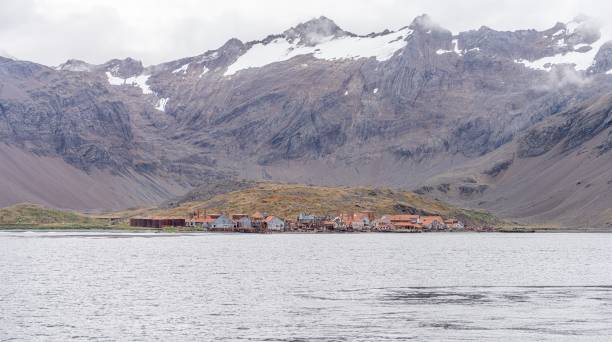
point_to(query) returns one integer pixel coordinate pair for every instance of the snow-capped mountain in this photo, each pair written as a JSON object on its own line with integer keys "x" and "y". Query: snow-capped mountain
{"x": 481, "y": 118}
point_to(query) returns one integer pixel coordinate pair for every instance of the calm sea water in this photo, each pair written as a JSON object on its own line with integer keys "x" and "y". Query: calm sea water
{"x": 353, "y": 287}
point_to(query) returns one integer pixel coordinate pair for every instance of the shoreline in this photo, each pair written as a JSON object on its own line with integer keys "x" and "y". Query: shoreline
{"x": 111, "y": 229}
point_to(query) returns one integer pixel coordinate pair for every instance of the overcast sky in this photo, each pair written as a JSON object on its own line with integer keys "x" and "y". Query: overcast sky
{"x": 51, "y": 31}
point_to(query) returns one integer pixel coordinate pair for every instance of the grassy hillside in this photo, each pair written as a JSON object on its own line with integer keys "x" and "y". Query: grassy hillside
{"x": 285, "y": 200}
{"x": 35, "y": 215}
{"x": 288, "y": 200}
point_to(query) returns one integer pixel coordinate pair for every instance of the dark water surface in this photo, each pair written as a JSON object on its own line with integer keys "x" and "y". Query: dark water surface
{"x": 353, "y": 287}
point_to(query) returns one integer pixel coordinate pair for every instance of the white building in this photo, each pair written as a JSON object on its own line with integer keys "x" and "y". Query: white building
{"x": 244, "y": 222}
{"x": 273, "y": 223}
{"x": 222, "y": 222}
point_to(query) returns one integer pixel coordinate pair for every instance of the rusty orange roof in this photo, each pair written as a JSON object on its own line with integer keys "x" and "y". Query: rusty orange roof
{"x": 431, "y": 219}
{"x": 407, "y": 224}
{"x": 270, "y": 218}
{"x": 403, "y": 217}
{"x": 257, "y": 215}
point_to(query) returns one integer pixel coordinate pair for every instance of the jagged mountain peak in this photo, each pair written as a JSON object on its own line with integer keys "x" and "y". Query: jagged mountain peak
{"x": 232, "y": 43}
{"x": 75, "y": 65}
{"x": 314, "y": 31}
{"x": 318, "y": 23}
{"x": 123, "y": 68}
{"x": 603, "y": 59}
{"x": 425, "y": 23}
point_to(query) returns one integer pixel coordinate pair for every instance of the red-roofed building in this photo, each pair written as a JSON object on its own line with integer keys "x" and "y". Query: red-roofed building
{"x": 360, "y": 221}
{"x": 392, "y": 222}
{"x": 258, "y": 216}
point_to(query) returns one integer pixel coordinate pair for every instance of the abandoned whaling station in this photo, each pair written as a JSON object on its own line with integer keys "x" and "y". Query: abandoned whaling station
{"x": 259, "y": 222}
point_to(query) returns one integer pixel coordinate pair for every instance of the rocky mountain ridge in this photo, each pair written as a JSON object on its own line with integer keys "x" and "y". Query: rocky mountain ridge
{"x": 420, "y": 108}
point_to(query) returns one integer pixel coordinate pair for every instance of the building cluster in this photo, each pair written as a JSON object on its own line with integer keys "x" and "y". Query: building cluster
{"x": 259, "y": 222}
{"x": 367, "y": 221}
{"x": 253, "y": 223}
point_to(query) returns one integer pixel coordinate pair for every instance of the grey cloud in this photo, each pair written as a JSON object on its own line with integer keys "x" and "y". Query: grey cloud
{"x": 561, "y": 76}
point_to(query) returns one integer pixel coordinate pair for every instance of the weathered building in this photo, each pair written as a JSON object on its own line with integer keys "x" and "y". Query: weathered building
{"x": 399, "y": 222}
{"x": 244, "y": 222}
{"x": 454, "y": 224}
{"x": 273, "y": 223}
{"x": 433, "y": 222}
{"x": 307, "y": 219}
{"x": 204, "y": 223}
{"x": 222, "y": 223}
{"x": 258, "y": 216}
{"x": 157, "y": 222}
{"x": 360, "y": 221}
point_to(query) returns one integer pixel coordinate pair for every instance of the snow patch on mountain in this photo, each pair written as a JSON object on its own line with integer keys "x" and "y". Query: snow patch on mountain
{"x": 572, "y": 26}
{"x": 136, "y": 81}
{"x": 204, "y": 71}
{"x": 209, "y": 56}
{"x": 579, "y": 41}
{"x": 456, "y": 50}
{"x": 381, "y": 47}
{"x": 161, "y": 104}
{"x": 561, "y": 43}
{"x": 455, "y": 43}
{"x": 581, "y": 60}
{"x": 580, "y": 46}
{"x": 182, "y": 69}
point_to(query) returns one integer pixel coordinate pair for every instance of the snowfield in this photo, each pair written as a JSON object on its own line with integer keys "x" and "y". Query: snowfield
{"x": 136, "y": 81}
{"x": 382, "y": 48}
{"x": 581, "y": 60}
{"x": 182, "y": 69}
